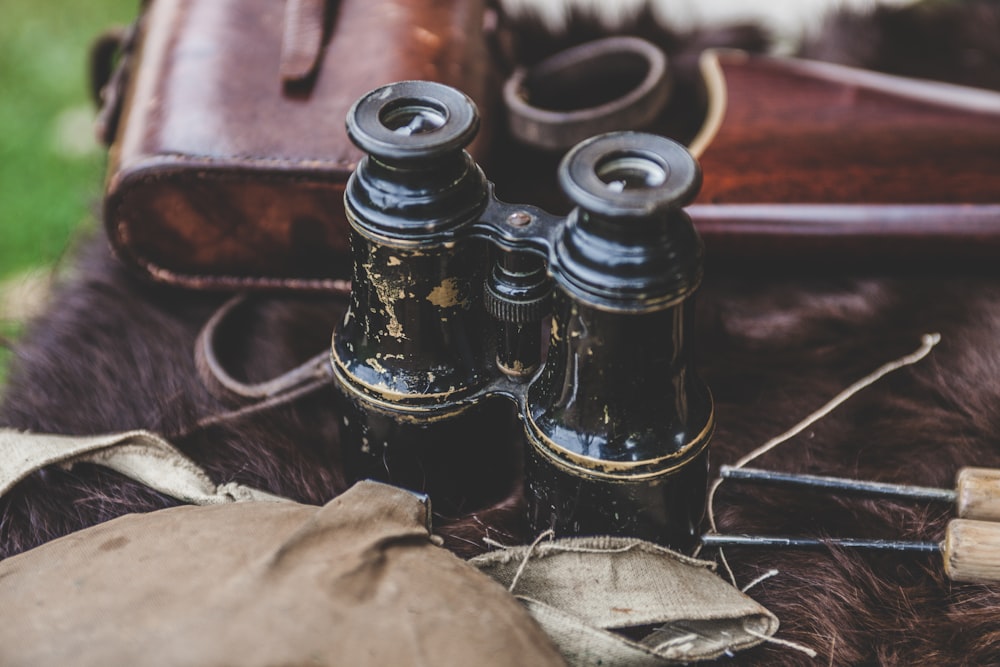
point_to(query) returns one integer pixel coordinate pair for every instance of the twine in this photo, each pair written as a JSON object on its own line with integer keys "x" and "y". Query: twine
{"x": 927, "y": 343}
{"x": 524, "y": 563}
{"x": 762, "y": 578}
{"x": 781, "y": 642}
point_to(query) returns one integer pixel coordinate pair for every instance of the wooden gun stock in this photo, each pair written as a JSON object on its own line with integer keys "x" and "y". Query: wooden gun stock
{"x": 821, "y": 163}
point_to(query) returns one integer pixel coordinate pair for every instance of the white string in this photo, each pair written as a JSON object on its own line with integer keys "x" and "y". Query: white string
{"x": 566, "y": 548}
{"x": 520, "y": 570}
{"x": 490, "y": 542}
{"x": 781, "y": 642}
{"x": 725, "y": 564}
{"x": 928, "y": 341}
{"x": 597, "y": 550}
{"x": 764, "y": 577}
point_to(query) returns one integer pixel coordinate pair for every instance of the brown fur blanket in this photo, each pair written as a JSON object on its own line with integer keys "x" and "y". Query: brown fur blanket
{"x": 114, "y": 353}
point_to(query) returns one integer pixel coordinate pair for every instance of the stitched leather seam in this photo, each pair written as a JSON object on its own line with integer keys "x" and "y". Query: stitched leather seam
{"x": 201, "y": 281}
{"x": 241, "y": 160}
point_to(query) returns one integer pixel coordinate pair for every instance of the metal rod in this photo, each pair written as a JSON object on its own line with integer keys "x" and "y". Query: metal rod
{"x": 718, "y": 540}
{"x": 840, "y": 484}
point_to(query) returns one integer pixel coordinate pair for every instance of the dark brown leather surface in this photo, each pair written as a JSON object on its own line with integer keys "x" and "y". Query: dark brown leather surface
{"x": 222, "y": 176}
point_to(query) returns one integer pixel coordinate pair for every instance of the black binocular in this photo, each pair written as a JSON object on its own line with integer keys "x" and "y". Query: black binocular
{"x": 440, "y": 362}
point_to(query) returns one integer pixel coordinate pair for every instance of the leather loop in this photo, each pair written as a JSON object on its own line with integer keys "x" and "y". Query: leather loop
{"x": 559, "y": 102}
{"x": 103, "y": 51}
{"x": 303, "y": 39}
{"x": 110, "y": 56}
{"x": 314, "y": 373}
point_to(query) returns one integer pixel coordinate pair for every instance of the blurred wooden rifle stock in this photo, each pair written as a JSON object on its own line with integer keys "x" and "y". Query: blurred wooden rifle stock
{"x": 820, "y": 164}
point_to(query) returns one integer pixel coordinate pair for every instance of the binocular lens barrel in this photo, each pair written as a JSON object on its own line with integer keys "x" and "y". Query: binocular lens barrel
{"x": 618, "y": 419}
{"x": 440, "y": 352}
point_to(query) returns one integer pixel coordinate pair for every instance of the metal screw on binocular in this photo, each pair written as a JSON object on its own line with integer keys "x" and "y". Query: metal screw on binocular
{"x": 438, "y": 359}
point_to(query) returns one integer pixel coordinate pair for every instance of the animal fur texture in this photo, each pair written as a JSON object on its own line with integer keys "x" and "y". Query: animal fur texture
{"x": 113, "y": 352}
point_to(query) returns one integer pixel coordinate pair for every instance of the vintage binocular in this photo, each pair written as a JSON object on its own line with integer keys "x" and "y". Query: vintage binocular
{"x": 439, "y": 361}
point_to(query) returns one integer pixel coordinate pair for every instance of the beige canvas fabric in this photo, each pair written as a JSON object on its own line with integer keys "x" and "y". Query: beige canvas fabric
{"x": 356, "y": 582}
{"x": 140, "y": 455}
{"x": 580, "y": 589}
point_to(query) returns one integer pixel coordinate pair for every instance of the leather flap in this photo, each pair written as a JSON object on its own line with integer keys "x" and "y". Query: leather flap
{"x": 223, "y": 174}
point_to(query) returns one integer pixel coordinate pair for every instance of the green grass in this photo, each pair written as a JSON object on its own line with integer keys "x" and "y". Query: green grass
{"x": 8, "y": 332}
{"x": 49, "y": 180}
{"x": 51, "y": 170}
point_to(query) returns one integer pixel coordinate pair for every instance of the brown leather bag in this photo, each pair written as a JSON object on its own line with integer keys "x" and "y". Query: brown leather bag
{"x": 229, "y": 155}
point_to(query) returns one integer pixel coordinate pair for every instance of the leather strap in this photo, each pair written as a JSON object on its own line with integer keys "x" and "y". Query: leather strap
{"x": 110, "y": 67}
{"x": 551, "y": 106}
{"x": 110, "y": 64}
{"x": 227, "y": 388}
{"x": 303, "y": 380}
{"x": 303, "y": 39}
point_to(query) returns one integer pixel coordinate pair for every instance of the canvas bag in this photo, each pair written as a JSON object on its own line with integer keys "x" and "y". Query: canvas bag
{"x": 356, "y": 582}
{"x": 253, "y": 579}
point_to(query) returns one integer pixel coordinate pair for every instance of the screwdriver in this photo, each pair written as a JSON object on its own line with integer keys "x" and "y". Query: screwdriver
{"x": 971, "y": 549}
{"x": 976, "y": 494}
{"x": 971, "y": 545}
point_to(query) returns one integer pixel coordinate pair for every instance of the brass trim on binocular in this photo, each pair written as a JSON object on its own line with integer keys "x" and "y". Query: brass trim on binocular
{"x": 451, "y": 287}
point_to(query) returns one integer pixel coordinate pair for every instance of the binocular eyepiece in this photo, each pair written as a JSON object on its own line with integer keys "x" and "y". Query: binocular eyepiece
{"x": 439, "y": 358}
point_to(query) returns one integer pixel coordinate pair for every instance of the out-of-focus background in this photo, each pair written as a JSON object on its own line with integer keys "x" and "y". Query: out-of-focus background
{"x": 52, "y": 170}
{"x": 51, "y": 167}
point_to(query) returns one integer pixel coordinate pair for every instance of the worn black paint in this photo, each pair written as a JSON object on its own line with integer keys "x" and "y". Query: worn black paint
{"x": 619, "y": 388}
{"x": 620, "y": 419}
{"x": 413, "y": 345}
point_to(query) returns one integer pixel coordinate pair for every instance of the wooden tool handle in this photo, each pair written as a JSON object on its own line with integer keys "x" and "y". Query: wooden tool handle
{"x": 971, "y": 551}
{"x": 978, "y": 494}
